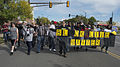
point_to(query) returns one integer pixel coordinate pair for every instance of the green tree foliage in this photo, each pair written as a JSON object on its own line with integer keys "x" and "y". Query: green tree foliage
{"x": 24, "y": 10}
{"x": 78, "y": 19}
{"x": 91, "y": 20}
{"x": 43, "y": 20}
{"x": 11, "y": 10}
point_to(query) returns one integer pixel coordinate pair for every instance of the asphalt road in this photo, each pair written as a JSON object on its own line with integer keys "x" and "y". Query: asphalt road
{"x": 81, "y": 58}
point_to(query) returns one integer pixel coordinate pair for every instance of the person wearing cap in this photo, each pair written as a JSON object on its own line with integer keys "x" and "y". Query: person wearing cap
{"x": 29, "y": 37}
{"x": 52, "y": 35}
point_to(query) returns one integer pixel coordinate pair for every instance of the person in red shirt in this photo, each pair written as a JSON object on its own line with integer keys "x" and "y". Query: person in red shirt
{"x": 5, "y": 31}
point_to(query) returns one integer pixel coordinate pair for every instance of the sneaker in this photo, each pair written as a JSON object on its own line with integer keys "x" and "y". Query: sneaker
{"x": 28, "y": 53}
{"x": 54, "y": 50}
{"x": 50, "y": 49}
{"x": 60, "y": 53}
{"x": 37, "y": 52}
{"x": 86, "y": 49}
{"x": 11, "y": 53}
{"x": 64, "y": 55}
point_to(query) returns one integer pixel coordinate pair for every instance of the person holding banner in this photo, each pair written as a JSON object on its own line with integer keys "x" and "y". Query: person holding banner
{"x": 107, "y": 40}
{"x": 78, "y": 27}
{"x": 14, "y": 37}
{"x": 63, "y": 41}
{"x": 69, "y": 26}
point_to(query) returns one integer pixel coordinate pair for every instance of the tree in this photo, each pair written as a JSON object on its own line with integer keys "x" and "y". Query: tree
{"x": 24, "y": 10}
{"x": 12, "y": 10}
{"x": 44, "y": 20}
{"x": 91, "y": 20}
{"x": 78, "y": 19}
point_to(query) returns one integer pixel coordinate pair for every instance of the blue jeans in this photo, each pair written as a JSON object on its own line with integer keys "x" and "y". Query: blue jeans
{"x": 5, "y": 35}
{"x": 40, "y": 42}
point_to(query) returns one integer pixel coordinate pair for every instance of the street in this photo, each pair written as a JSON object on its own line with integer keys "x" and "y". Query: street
{"x": 81, "y": 58}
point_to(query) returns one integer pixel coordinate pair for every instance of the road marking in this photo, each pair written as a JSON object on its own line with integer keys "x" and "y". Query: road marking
{"x": 110, "y": 53}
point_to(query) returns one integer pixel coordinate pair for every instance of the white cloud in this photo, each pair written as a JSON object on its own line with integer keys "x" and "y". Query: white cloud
{"x": 102, "y": 6}
{"x": 98, "y": 8}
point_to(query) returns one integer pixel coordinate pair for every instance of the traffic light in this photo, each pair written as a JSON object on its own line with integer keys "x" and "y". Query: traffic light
{"x": 50, "y": 4}
{"x": 69, "y": 15}
{"x": 68, "y": 3}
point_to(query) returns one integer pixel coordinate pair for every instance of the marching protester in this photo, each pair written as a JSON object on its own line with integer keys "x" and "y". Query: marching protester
{"x": 40, "y": 38}
{"x": 19, "y": 26}
{"x": 78, "y": 27}
{"x": 62, "y": 41}
{"x": 107, "y": 41}
{"x": 69, "y": 26}
{"x": 5, "y": 31}
{"x": 14, "y": 37}
{"x": 52, "y": 36}
{"x": 34, "y": 36}
{"x": 29, "y": 37}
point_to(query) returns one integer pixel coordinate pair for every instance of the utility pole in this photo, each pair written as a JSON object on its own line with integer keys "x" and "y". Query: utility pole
{"x": 111, "y": 19}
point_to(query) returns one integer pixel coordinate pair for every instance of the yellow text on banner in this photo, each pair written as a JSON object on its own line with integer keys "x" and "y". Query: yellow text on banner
{"x": 87, "y": 42}
{"x": 101, "y": 34}
{"x": 96, "y": 34}
{"x": 92, "y": 42}
{"x": 82, "y": 33}
{"x": 65, "y": 32}
{"x": 76, "y": 33}
{"x": 107, "y": 34}
{"x": 72, "y": 42}
{"x": 77, "y": 42}
{"x": 83, "y": 42}
{"x": 58, "y": 32}
{"x": 91, "y": 34}
{"x": 97, "y": 42}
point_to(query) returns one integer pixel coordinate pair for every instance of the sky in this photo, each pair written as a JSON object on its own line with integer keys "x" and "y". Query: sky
{"x": 100, "y": 9}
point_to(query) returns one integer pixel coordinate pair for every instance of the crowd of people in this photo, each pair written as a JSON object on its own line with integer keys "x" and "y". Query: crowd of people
{"x": 39, "y": 35}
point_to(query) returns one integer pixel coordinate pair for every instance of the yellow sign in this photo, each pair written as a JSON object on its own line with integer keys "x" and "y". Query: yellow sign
{"x": 87, "y": 42}
{"x": 96, "y": 34}
{"x": 82, "y": 33}
{"x": 58, "y": 32}
{"x": 76, "y": 33}
{"x": 92, "y": 42}
{"x": 101, "y": 34}
{"x": 82, "y": 42}
{"x": 72, "y": 42}
{"x": 77, "y": 42}
{"x": 97, "y": 42}
{"x": 65, "y": 32}
{"x": 91, "y": 34}
{"x": 107, "y": 34}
